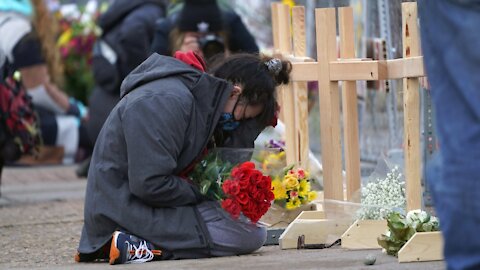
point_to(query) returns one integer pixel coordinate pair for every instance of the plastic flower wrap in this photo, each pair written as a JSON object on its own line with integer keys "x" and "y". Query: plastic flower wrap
{"x": 401, "y": 228}
{"x": 379, "y": 198}
{"x": 293, "y": 189}
{"x": 241, "y": 188}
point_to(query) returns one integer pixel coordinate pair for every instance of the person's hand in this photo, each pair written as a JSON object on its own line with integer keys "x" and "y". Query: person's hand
{"x": 190, "y": 43}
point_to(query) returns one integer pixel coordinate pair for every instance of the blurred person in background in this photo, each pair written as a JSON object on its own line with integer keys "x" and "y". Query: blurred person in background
{"x": 28, "y": 39}
{"x": 202, "y": 26}
{"x": 127, "y": 33}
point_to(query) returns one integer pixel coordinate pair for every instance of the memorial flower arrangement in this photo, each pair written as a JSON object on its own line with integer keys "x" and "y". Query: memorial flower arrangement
{"x": 241, "y": 188}
{"x": 379, "y": 198}
{"x": 78, "y": 34}
{"x": 293, "y": 189}
{"x": 401, "y": 228}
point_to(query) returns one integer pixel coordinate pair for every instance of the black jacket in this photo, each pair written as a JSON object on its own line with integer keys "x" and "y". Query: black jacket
{"x": 129, "y": 25}
{"x": 132, "y": 24}
{"x": 239, "y": 38}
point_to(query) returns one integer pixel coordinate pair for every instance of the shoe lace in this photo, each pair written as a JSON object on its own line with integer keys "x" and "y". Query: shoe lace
{"x": 139, "y": 254}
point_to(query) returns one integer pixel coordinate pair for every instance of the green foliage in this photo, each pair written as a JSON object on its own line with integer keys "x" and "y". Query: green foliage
{"x": 401, "y": 229}
{"x": 209, "y": 174}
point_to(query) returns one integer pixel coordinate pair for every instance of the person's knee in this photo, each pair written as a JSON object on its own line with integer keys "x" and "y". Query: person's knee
{"x": 257, "y": 240}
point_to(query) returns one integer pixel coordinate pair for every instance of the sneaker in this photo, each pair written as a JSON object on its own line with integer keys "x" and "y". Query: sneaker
{"x": 127, "y": 248}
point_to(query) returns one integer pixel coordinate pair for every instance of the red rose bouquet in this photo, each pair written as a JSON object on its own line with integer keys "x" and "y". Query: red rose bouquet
{"x": 242, "y": 189}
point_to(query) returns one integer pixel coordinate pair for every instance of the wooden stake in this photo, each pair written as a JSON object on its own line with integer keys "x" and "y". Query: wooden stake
{"x": 411, "y": 104}
{"x": 276, "y": 16}
{"x": 275, "y": 27}
{"x": 288, "y": 100}
{"x": 329, "y": 104}
{"x": 300, "y": 90}
{"x": 349, "y": 105}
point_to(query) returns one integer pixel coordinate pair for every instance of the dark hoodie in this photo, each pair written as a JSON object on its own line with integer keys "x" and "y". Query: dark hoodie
{"x": 166, "y": 115}
{"x": 128, "y": 27}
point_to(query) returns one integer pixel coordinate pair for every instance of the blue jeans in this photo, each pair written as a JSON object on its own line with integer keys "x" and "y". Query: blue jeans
{"x": 450, "y": 32}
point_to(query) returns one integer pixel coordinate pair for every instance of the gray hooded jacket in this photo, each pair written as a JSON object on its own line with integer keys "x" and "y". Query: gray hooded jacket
{"x": 166, "y": 115}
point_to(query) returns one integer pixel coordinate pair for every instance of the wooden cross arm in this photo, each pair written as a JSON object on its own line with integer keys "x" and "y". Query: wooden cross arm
{"x": 359, "y": 69}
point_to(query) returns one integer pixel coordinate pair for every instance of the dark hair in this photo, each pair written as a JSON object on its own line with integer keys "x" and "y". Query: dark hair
{"x": 256, "y": 78}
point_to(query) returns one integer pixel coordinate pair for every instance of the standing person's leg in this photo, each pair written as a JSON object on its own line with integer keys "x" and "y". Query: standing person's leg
{"x": 230, "y": 237}
{"x": 450, "y": 44}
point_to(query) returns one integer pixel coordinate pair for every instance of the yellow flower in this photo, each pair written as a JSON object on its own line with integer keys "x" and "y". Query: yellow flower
{"x": 312, "y": 195}
{"x": 64, "y": 38}
{"x": 304, "y": 187}
{"x": 292, "y": 204}
{"x": 290, "y": 3}
{"x": 278, "y": 190}
{"x": 274, "y": 161}
{"x": 290, "y": 181}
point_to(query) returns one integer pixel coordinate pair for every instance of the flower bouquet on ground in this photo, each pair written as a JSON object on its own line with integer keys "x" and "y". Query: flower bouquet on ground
{"x": 401, "y": 228}
{"x": 241, "y": 188}
{"x": 293, "y": 189}
{"x": 381, "y": 197}
{"x": 293, "y": 194}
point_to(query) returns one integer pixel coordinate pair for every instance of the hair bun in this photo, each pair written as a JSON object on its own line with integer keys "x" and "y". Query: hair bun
{"x": 274, "y": 66}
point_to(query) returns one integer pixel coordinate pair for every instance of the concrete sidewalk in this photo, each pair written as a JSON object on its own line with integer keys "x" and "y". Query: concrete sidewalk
{"x": 41, "y": 216}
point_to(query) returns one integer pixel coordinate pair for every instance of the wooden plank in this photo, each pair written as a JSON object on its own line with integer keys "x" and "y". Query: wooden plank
{"x": 316, "y": 231}
{"x": 276, "y": 49}
{"x": 329, "y": 104}
{"x": 303, "y": 72}
{"x": 275, "y": 28}
{"x": 300, "y": 90}
{"x": 363, "y": 234}
{"x": 405, "y": 67}
{"x": 288, "y": 100}
{"x": 354, "y": 70}
{"x": 360, "y": 69}
{"x": 411, "y": 105}
{"x": 349, "y": 105}
{"x": 311, "y": 215}
{"x": 284, "y": 31}
{"x": 425, "y": 246}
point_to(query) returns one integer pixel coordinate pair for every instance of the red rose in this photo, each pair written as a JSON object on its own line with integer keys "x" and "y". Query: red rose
{"x": 259, "y": 195}
{"x": 247, "y": 165}
{"x": 244, "y": 178}
{"x": 231, "y": 187}
{"x": 269, "y": 196}
{"x": 242, "y": 198}
{"x": 232, "y": 207}
{"x": 264, "y": 182}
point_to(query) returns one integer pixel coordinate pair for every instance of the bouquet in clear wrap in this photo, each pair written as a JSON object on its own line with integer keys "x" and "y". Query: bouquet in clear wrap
{"x": 292, "y": 189}
{"x": 383, "y": 194}
{"x": 228, "y": 175}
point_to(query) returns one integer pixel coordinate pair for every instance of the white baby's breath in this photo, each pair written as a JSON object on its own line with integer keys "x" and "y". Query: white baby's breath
{"x": 381, "y": 197}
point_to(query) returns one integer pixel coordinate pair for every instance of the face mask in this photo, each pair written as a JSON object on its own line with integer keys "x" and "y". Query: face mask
{"x": 228, "y": 122}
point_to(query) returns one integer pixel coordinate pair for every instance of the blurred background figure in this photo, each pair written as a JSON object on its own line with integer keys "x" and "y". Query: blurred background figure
{"x": 28, "y": 38}
{"x": 202, "y": 26}
{"x": 127, "y": 34}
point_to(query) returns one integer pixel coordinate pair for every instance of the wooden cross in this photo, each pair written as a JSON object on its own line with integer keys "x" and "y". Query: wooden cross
{"x": 328, "y": 70}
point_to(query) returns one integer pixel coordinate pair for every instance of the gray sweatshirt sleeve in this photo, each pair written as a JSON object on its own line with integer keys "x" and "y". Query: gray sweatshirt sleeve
{"x": 154, "y": 128}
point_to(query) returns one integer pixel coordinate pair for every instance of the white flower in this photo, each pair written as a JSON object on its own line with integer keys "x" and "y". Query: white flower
{"x": 380, "y": 197}
{"x": 417, "y": 216}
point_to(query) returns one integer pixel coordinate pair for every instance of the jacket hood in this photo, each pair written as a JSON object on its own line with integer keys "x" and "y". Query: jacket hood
{"x": 119, "y": 10}
{"x": 157, "y": 67}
